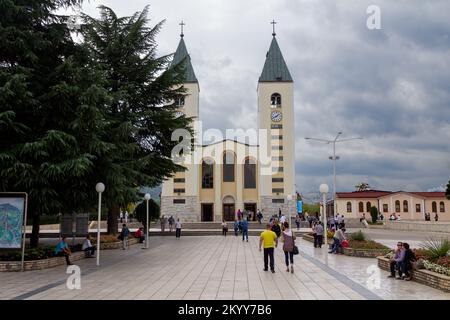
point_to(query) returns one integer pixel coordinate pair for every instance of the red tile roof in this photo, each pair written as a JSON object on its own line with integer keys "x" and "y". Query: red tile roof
{"x": 363, "y": 194}
{"x": 378, "y": 193}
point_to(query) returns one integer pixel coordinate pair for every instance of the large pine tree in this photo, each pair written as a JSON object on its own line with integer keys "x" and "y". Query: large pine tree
{"x": 49, "y": 101}
{"x": 141, "y": 115}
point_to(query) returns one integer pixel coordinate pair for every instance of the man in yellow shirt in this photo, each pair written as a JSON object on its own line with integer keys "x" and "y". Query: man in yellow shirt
{"x": 270, "y": 241}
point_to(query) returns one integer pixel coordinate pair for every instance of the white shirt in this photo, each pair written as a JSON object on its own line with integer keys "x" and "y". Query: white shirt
{"x": 86, "y": 244}
{"x": 282, "y": 219}
{"x": 178, "y": 225}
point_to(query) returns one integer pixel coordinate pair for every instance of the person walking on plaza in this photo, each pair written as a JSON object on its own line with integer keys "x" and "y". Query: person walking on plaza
{"x": 171, "y": 222}
{"x": 88, "y": 247}
{"x": 260, "y": 216}
{"x": 163, "y": 221}
{"x": 395, "y": 262}
{"x": 124, "y": 233}
{"x": 288, "y": 246}
{"x": 314, "y": 232}
{"x": 269, "y": 241}
{"x": 244, "y": 224}
{"x": 178, "y": 228}
{"x": 276, "y": 227}
{"x": 297, "y": 221}
{"x": 319, "y": 235}
{"x": 62, "y": 250}
{"x": 236, "y": 227}
{"x": 436, "y": 217}
{"x": 224, "y": 228}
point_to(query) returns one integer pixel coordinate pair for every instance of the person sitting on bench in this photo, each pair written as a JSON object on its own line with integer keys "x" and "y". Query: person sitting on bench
{"x": 88, "y": 247}
{"x": 62, "y": 250}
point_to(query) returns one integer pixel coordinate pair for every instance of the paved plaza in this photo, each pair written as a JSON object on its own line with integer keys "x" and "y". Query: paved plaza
{"x": 212, "y": 267}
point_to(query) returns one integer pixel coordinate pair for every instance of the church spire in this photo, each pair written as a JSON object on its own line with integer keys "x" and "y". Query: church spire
{"x": 182, "y": 56}
{"x": 275, "y": 68}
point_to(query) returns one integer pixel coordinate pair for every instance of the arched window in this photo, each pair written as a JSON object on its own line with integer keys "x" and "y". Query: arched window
{"x": 207, "y": 174}
{"x": 405, "y": 206}
{"x": 249, "y": 174}
{"x": 441, "y": 206}
{"x": 397, "y": 206}
{"x": 368, "y": 206}
{"x": 228, "y": 167}
{"x": 275, "y": 100}
{"x": 434, "y": 206}
{"x": 349, "y": 206}
{"x": 361, "y": 207}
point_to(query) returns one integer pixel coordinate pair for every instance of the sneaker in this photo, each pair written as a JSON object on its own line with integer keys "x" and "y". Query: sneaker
{"x": 391, "y": 276}
{"x": 292, "y": 269}
{"x": 265, "y": 269}
{"x": 287, "y": 269}
{"x": 273, "y": 271}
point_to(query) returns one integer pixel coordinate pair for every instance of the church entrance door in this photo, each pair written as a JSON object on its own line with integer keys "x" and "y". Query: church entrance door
{"x": 251, "y": 207}
{"x": 228, "y": 212}
{"x": 207, "y": 212}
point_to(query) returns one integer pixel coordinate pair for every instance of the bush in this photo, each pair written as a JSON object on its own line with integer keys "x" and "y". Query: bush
{"x": 365, "y": 244}
{"x": 358, "y": 236}
{"x": 30, "y": 254}
{"x": 374, "y": 214}
{"x": 107, "y": 238}
{"x": 423, "y": 254}
{"x": 444, "y": 261}
{"x": 436, "y": 248}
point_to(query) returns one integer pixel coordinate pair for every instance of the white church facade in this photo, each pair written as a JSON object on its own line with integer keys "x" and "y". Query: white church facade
{"x": 229, "y": 175}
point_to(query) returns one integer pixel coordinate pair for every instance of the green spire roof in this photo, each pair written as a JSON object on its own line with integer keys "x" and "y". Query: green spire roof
{"x": 180, "y": 54}
{"x": 275, "y": 69}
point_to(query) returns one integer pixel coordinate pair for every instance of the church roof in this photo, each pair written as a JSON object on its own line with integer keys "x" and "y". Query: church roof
{"x": 275, "y": 68}
{"x": 181, "y": 55}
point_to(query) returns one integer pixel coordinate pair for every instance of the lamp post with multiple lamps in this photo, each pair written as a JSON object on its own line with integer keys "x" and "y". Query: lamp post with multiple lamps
{"x": 147, "y": 197}
{"x": 324, "y": 190}
{"x": 99, "y": 187}
{"x": 334, "y": 158}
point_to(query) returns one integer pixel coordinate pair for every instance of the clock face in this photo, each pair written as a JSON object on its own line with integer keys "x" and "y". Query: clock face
{"x": 276, "y": 116}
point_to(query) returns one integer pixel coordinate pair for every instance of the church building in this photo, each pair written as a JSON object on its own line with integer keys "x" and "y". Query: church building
{"x": 230, "y": 175}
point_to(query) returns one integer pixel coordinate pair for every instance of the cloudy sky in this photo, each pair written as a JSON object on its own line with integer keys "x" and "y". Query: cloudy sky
{"x": 390, "y": 86}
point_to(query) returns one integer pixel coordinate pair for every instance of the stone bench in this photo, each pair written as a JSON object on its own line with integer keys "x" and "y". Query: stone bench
{"x": 423, "y": 276}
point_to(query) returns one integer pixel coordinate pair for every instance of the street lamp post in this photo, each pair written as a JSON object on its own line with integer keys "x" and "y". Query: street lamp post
{"x": 147, "y": 229}
{"x": 324, "y": 190}
{"x": 99, "y": 187}
{"x": 334, "y": 158}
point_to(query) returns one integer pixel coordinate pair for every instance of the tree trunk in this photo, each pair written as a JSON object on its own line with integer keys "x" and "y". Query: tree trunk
{"x": 113, "y": 216}
{"x": 34, "y": 239}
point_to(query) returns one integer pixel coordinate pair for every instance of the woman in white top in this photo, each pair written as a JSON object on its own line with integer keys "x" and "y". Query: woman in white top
{"x": 224, "y": 228}
{"x": 178, "y": 228}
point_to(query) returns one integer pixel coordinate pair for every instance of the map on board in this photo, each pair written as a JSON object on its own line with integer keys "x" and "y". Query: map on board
{"x": 11, "y": 217}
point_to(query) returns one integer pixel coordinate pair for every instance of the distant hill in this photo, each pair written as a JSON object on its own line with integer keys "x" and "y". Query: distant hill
{"x": 154, "y": 192}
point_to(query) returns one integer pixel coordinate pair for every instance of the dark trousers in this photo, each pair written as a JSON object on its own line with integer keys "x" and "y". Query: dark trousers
{"x": 91, "y": 250}
{"x": 141, "y": 239}
{"x": 63, "y": 254}
{"x": 244, "y": 234}
{"x": 224, "y": 231}
{"x": 268, "y": 253}
{"x": 288, "y": 256}
{"x": 315, "y": 240}
{"x": 405, "y": 267}
{"x": 178, "y": 233}
{"x": 336, "y": 246}
{"x": 395, "y": 265}
{"x": 318, "y": 241}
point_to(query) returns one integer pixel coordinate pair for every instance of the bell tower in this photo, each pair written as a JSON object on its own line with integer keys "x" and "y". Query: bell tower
{"x": 276, "y": 116}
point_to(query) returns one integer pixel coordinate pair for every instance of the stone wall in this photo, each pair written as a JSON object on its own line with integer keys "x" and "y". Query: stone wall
{"x": 268, "y": 208}
{"x": 365, "y": 253}
{"x": 426, "y": 277}
{"x": 421, "y": 226}
{"x": 187, "y": 212}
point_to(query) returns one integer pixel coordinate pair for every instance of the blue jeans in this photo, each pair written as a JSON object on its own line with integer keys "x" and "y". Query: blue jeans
{"x": 336, "y": 245}
{"x": 244, "y": 234}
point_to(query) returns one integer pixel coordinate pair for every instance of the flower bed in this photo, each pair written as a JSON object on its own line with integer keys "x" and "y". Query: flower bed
{"x": 423, "y": 276}
{"x": 365, "y": 249}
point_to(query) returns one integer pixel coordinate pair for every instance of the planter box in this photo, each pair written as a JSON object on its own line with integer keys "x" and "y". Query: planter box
{"x": 309, "y": 238}
{"x": 423, "y": 276}
{"x": 57, "y": 261}
{"x": 365, "y": 253}
{"x": 40, "y": 264}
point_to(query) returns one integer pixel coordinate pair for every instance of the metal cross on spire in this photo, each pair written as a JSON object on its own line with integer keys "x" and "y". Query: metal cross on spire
{"x": 273, "y": 23}
{"x": 182, "y": 24}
